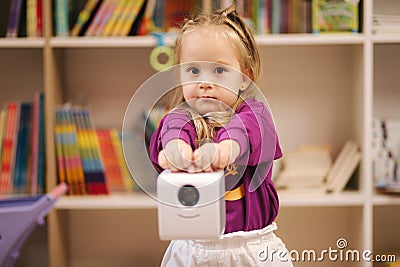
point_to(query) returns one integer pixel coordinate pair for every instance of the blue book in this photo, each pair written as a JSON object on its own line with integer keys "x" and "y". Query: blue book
{"x": 42, "y": 148}
{"x": 62, "y": 19}
{"x": 22, "y": 155}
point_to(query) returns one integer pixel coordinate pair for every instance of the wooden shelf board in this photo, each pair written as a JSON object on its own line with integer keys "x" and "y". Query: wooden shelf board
{"x": 385, "y": 200}
{"x": 150, "y": 41}
{"x": 114, "y": 201}
{"x": 293, "y": 199}
{"x": 143, "y": 201}
{"x": 309, "y": 39}
{"x": 103, "y": 42}
{"x": 21, "y": 42}
{"x": 386, "y": 38}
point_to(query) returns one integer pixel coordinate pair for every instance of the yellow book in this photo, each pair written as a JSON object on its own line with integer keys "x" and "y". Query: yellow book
{"x": 109, "y": 28}
{"x": 116, "y": 141}
{"x": 131, "y": 16}
{"x": 31, "y": 18}
{"x": 122, "y": 18}
{"x": 84, "y": 17}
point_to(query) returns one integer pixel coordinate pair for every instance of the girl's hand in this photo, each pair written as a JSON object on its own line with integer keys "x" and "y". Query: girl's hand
{"x": 211, "y": 156}
{"x": 177, "y": 155}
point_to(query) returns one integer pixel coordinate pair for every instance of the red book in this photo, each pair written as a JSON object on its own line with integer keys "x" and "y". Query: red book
{"x": 9, "y": 148}
{"x": 39, "y": 14}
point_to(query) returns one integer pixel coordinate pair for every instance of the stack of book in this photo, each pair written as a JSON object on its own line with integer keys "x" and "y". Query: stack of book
{"x": 90, "y": 160}
{"x": 24, "y": 18}
{"x": 22, "y": 147}
{"x": 120, "y": 17}
{"x": 312, "y": 171}
{"x": 304, "y": 170}
{"x": 386, "y": 24}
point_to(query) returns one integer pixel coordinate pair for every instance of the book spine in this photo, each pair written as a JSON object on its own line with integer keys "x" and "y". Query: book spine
{"x": 122, "y": 17}
{"x": 35, "y": 143}
{"x": 62, "y": 24}
{"x": 275, "y": 16}
{"x": 41, "y": 147}
{"x": 132, "y": 14}
{"x": 31, "y": 18}
{"x": 109, "y": 27}
{"x": 9, "y": 147}
{"x": 93, "y": 143}
{"x": 98, "y": 17}
{"x": 83, "y": 17}
{"x": 3, "y": 117}
{"x": 108, "y": 156}
{"x": 158, "y": 16}
{"x": 116, "y": 140}
{"x": 21, "y": 155}
{"x": 76, "y": 158}
{"x": 107, "y": 15}
{"x": 13, "y": 19}
{"x": 58, "y": 131}
{"x": 39, "y": 18}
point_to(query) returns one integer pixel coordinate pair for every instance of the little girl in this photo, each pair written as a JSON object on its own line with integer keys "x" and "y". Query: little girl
{"x": 211, "y": 127}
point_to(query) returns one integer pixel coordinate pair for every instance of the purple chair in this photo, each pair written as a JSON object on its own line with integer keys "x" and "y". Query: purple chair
{"x": 19, "y": 217}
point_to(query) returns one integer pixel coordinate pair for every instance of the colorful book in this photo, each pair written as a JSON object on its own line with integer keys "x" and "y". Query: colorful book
{"x": 9, "y": 147}
{"x": 127, "y": 7}
{"x": 3, "y": 114}
{"x": 147, "y": 24}
{"x": 89, "y": 146}
{"x": 335, "y": 16}
{"x": 85, "y": 17}
{"x": 98, "y": 17}
{"x": 117, "y": 144}
{"x": 117, "y": 12}
{"x": 107, "y": 15}
{"x": 61, "y": 168}
{"x": 112, "y": 170}
{"x": 134, "y": 25}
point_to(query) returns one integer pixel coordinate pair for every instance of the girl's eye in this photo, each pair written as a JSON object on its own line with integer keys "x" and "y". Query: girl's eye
{"x": 219, "y": 70}
{"x": 193, "y": 70}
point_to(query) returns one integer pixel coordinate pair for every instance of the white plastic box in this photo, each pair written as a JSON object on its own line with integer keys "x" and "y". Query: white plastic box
{"x": 191, "y": 205}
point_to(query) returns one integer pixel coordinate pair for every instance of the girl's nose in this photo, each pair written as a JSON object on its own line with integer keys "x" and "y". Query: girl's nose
{"x": 205, "y": 85}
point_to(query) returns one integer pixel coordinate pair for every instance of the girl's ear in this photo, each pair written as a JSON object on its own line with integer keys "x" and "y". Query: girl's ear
{"x": 247, "y": 79}
{"x": 244, "y": 85}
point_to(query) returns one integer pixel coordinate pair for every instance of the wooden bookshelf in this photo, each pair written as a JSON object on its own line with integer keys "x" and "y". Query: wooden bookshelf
{"x": 321, "y": 88}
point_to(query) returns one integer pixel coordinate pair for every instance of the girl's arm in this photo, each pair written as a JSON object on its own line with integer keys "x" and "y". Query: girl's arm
{"x": 253, "y": 129}
{"x": 175, "y": 125}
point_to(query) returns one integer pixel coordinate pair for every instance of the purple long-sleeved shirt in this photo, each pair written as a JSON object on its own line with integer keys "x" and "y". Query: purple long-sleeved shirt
{"x": 252, "y": 127}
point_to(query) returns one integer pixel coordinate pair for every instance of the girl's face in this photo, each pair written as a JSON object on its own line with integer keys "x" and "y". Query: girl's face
{"x": 208, "y": 61}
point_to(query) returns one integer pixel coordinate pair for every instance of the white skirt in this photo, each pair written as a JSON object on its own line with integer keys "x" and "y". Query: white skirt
{"x": 254, "y": 248}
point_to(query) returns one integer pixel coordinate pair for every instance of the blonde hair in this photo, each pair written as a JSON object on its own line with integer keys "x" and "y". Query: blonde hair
{"x": 234, "y": 28}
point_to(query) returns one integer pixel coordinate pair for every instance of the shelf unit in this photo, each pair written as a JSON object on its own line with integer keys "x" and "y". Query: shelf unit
{"x": 321, "y": 88}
